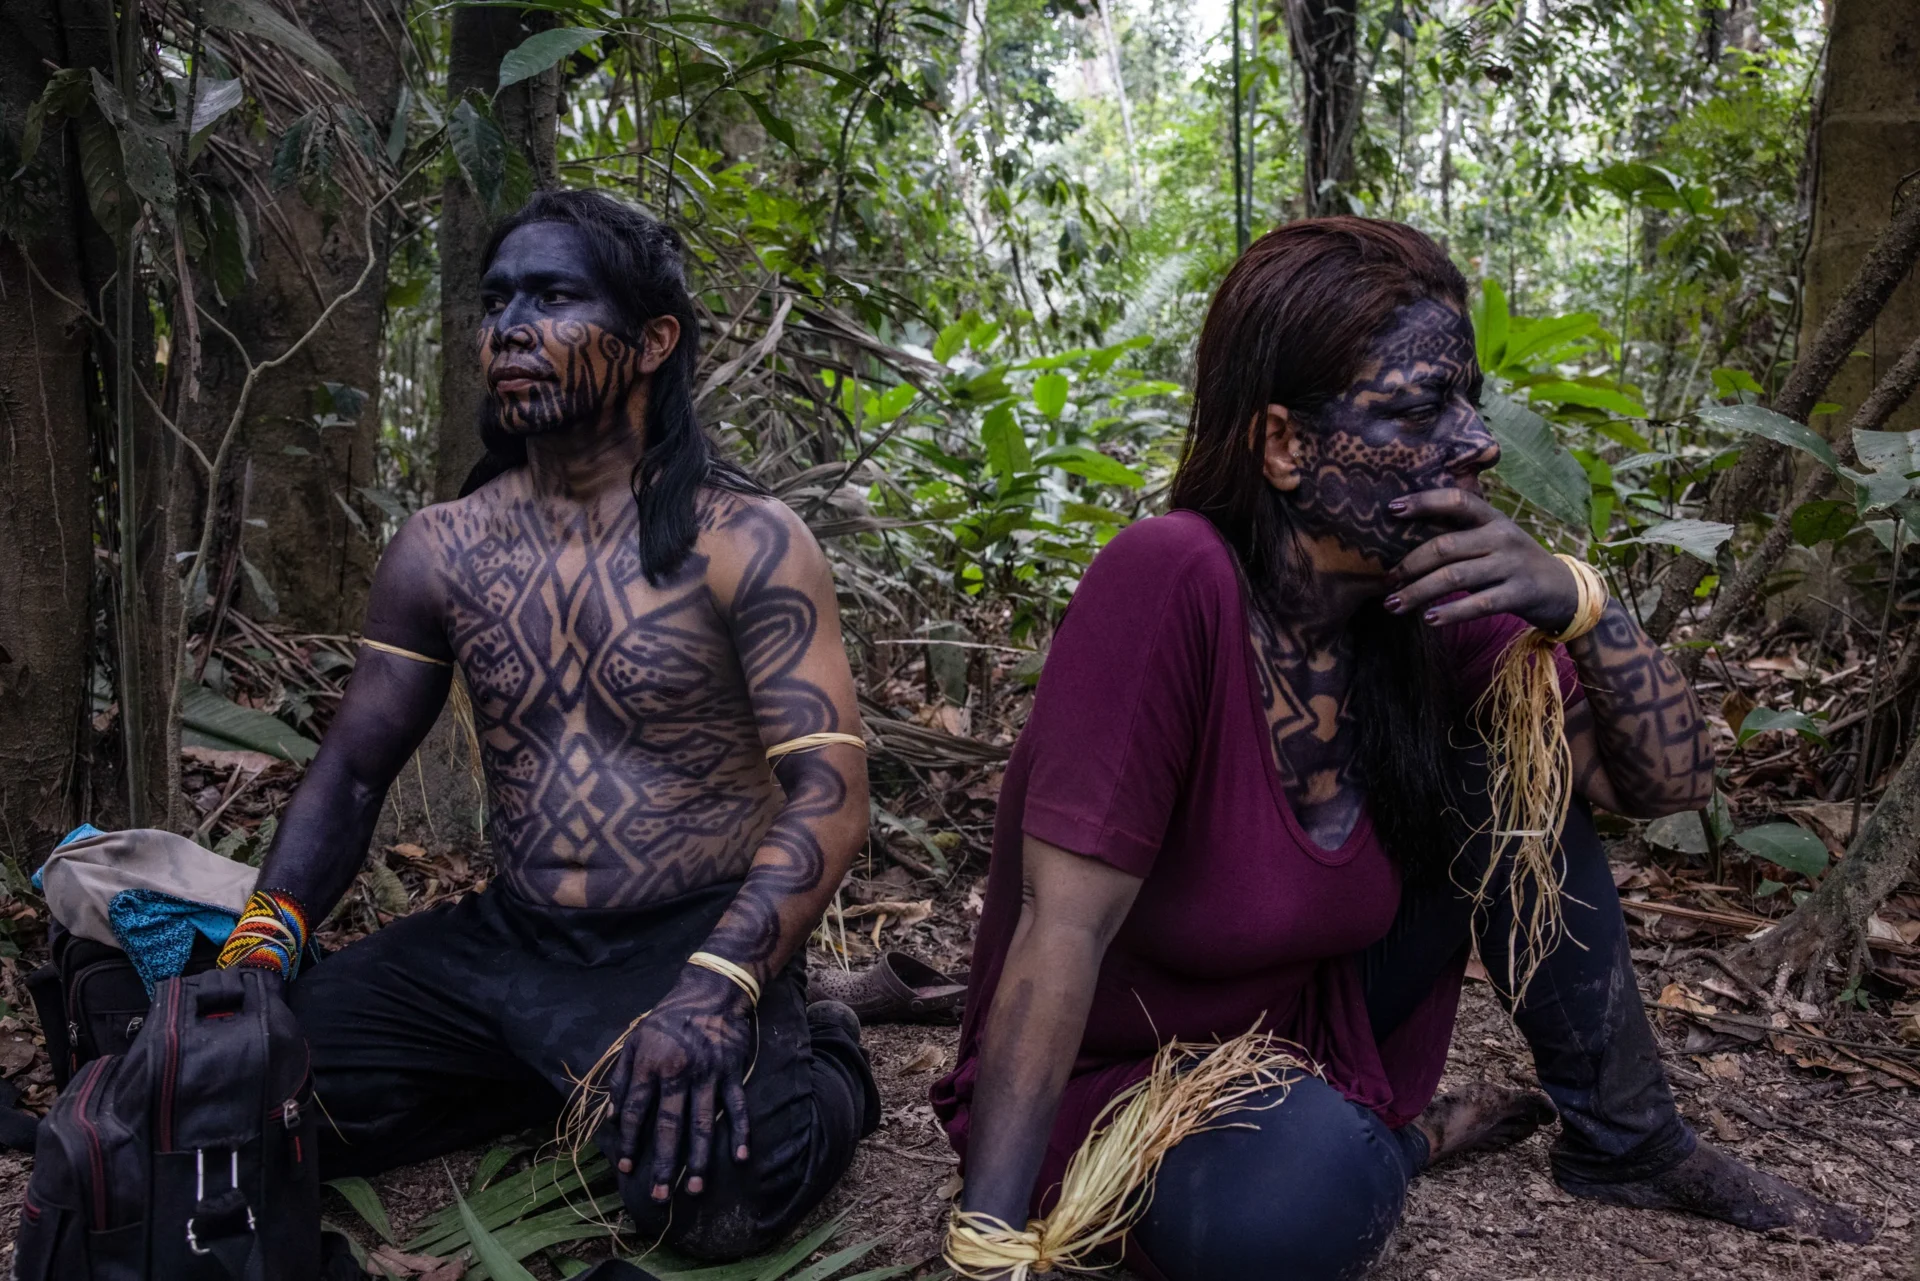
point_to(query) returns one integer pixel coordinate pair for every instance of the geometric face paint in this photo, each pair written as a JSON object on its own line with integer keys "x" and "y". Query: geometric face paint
{"x": 1409, "y": 422}
{"x": 549, "y": 347}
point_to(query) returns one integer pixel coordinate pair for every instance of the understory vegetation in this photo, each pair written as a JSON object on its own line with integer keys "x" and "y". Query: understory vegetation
{"x": 950, "y": 258}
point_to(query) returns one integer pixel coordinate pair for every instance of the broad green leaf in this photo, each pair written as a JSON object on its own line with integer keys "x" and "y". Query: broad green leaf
{"x": 215, "y": 722}
{"x": 113, "y": 203}
{"x": 1762, "y": 719}
{"x": 366, "y": 1203}
{"x": 1779, "y": 428}
{"x": 1895, "y": 453}
{"x": 481, "y": 149}
{"x": 1093, "y": 514}
{"x": 541, "y": 50}
{"x": 1731, "y": 382}
{"x": 146, "y": 165}
{"x": 501, "y": 1265}
{"x": 1550, "y": 339}
{"x": 1700, "y": 539}
{"x": 1078, "y": 460}
{"x": 214, "y": 99}
{"x": 1787, "y": 844}
{"x": 951, "y": 340}
{"x": 1820, "y": 520}
{"x": 1534, "y": 464}
{"x": 1610, "y": 399}
{"x": 1050, "y": 394}
{"x": 1490, "y": 324}
{"x": 775, "y": 125}
{"x": 490, "y": 1165}
{"x": 1007, "y": 452}
{"x": 257, "y": 18}
{"x": 262, "y": 589}
{"x": 1875, "y": 491}
{"x": 66, "y": 94}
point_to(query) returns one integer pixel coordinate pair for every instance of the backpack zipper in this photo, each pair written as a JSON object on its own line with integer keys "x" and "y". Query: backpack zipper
{"x": 96, "y": 1157}
{"x": 170, "y": 1067}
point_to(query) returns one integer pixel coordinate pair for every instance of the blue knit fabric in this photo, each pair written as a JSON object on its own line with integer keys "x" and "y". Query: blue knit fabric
{"x": 157, "y": 930}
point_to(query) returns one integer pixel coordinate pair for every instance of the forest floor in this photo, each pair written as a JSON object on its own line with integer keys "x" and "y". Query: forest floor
{"x": 1826, "y": 1097}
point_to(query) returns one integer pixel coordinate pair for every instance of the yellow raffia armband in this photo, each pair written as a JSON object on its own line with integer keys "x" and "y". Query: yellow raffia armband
{"x": 1109, "y": 1181}
{"x": 1523, "y": 723}
{"x": 417, "y": 657}
{"x": 813, "y": 743}
{"x": 738, "y": 975}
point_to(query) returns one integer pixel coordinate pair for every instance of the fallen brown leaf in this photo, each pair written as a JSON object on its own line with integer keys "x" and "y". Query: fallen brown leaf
{"x": 407, "y": 851}
{"x": 1676, "y": 997}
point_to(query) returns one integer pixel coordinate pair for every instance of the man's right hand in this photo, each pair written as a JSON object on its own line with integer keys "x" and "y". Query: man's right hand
{"x": 688, "y": 1058}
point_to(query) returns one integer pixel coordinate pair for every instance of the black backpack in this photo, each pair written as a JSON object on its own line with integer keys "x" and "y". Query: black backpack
{"x": 91, "y": 1001}
{"x": 191, "y": 1157}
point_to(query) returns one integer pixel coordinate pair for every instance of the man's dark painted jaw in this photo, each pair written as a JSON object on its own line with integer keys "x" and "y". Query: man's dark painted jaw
{"x": 550, "y": 341}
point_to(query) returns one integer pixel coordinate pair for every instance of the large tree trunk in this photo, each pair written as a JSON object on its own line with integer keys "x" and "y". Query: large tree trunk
{"x": 315, "y": 556}
{"x": 528, "y": 113}
{"x": 46, "y": 516}
{"x": 1868, "y": 143}
{"x": 1323, "y": 36}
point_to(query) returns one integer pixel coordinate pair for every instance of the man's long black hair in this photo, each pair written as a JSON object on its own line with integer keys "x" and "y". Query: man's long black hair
{"x": 643, "y": 263}
{"x": 1291, "y": 325}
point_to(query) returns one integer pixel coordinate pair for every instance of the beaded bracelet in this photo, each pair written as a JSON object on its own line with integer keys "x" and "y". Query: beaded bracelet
{"x": 270, "y": 934}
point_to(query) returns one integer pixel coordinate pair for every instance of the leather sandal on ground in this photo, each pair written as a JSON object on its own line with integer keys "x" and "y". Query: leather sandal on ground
{"x": 896, "y": 989}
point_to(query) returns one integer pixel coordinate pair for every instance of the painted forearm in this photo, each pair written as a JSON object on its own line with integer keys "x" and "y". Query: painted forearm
{"x": 799, "y": 863}
{"x": 1647, "y": 724}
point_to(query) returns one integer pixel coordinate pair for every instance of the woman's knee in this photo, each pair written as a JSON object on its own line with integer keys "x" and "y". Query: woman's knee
{"x": 1307, "y": 1190}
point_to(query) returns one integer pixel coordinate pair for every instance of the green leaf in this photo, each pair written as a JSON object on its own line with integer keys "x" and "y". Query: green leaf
{"x": 262, "y": 589}
{"x": 216, "y": 722}
{"x": 541, "y": 50}
{"x": 1550, "y": 339}
{"x": 481, "y": 150}
{"x": 1534, "y": 464}
{"x": 1762, "y": 719}
{"x": 1729, "y": 383}
{"x": 1877, "y": 490}
{"x": 1091, "y": 464}
{"x": 1612, "y": 400}
{"x": 685, "y": 78}
{"x": 775, "y": 125}
{"x": 1768, "y": 887}
{"x": 366, "y": 1203}
{"x": 113, "y": 203}
{"x": 67, "y": 93}
{"x": 1050, "y": 394}
{"x": 1490, "y": 323}
{"x": 1007, "y": 453}
{"x": 214, "y": 99}
{"x": 1894, "y": 453}
{"x": 1700, "y": 539}
{"x": 501, "y": 1265}
{"x": 1787, "y": 844}
{"x": 1778, "y": 428}
{"x": 951, "y": 339}
{"x": 490, "y": 1165}
{"x": 256, "y": 18}
{"x": 1820, "y": 520}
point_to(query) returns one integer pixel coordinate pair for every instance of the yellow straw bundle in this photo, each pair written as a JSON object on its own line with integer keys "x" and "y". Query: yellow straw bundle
{"x": 1530, "y": 781}
{"x": 1109, "y": 1181}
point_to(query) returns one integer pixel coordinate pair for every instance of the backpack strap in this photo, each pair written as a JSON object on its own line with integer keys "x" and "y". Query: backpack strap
{"x": 222, "y": 1224}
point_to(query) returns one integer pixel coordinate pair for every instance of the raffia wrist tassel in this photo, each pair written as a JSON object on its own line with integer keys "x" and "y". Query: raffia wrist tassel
{"x": 1530, "y": 782}
{"x": 1109, "y": 1181}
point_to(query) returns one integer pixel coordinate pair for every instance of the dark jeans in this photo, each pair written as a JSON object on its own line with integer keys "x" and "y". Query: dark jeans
{"x": 459, "y": 1024}
{"x": 1313, "y": 1189}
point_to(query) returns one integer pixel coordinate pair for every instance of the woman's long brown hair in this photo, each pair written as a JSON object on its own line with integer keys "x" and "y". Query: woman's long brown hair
{"x": 1290, "y": 325}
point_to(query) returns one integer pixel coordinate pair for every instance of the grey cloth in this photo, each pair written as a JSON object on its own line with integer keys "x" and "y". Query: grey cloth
{"x": 81, "y": 878}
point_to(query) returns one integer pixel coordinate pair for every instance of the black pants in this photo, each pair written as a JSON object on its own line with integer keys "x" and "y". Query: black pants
{"x": 456, "y": 1025}
{"x": 1310, "y": 1189}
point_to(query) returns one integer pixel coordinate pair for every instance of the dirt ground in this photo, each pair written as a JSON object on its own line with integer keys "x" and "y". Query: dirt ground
{"x": 1499, "y": 1216}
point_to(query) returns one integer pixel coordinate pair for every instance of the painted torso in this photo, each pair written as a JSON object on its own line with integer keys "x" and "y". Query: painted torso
{"x": 622, "y": 757}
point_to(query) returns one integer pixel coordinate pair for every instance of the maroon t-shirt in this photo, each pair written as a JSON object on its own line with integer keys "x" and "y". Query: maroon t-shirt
{"x": 1148, "y": 749}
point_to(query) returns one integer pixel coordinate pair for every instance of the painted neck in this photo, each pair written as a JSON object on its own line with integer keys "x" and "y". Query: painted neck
{"x": 587, "y": 463}
{"x": 1340, "y": 582}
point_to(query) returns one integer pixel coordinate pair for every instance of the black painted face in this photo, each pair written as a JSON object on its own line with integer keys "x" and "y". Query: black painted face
{"x": 549, "y": 342}
{"x": 1409, "y": 422}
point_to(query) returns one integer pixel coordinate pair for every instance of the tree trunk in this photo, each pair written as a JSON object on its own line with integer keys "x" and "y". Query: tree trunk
{"x": 528, "y": 113}
{"x": 1323, "y": 36}
{"x": 1833, "y": 918}
{"x": 311, "y": 545}
{"x": 46, "y": 500}
{"x": 1869, "y": 141}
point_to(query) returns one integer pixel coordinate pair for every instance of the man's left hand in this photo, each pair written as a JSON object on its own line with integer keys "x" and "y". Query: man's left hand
{"x": 1499, "y": 565}
{"x": 688, "y": 1058}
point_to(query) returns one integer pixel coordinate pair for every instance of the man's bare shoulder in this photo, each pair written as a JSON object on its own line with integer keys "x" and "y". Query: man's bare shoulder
{"x": 454, "y": 526}
{"x": 753, "y": 540}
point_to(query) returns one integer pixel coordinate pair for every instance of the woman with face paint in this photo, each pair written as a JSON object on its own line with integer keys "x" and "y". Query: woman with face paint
{"x": 1246, "y": 796}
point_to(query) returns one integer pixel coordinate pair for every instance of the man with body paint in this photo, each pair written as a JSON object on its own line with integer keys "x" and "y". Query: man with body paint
{"x": 675, "y": 778}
